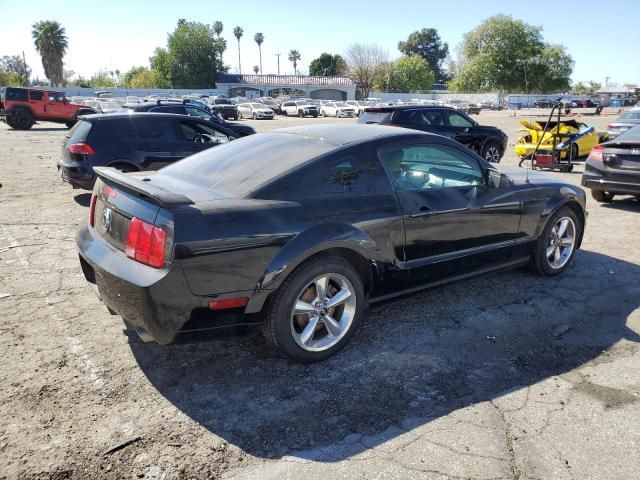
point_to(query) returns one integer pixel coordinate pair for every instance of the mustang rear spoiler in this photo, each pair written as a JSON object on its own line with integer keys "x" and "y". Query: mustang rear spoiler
{"x": 142, "y": 187}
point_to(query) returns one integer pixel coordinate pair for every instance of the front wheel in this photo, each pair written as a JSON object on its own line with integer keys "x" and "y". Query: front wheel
{"x": 23, "y": 120}
{"x": 557, "y": 244}
{"x": 300, "y": 114}
{"x": 316, "y": 310}
{"x": 255, "y": 117}
{"x": 602, "y": 197}
{"x": 491, "y": 152}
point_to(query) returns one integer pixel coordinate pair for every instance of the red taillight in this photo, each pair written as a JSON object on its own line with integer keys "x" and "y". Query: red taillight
{"x": 80, "y": 149}
{"x": 109, "y": 192}
{"x": 145, "y": 243}
{"x": 227, "y": 303}
{"x": 92, "y": 208}
{"x": 597, "y": 153}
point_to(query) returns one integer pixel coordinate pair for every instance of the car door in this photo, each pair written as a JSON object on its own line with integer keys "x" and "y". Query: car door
{"x": 157, "y": 144}
{"x": 37, "y": 102}
{"x": 54, "y": 105}
{"x": 462, "y": 130}
{"x": 454, "y": 221}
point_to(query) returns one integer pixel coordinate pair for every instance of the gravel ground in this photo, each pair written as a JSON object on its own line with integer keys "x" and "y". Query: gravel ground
{"x": 504, "y": 376}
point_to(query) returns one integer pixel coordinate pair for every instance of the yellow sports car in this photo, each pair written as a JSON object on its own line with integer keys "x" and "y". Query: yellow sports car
{"x": 526, "y": 144}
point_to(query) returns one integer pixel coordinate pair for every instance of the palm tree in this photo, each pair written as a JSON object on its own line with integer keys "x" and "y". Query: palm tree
{"x": 256, "y": 69}
{"x": 294, "y": 57}
{"x": 217, "y": 28}
{"x": 237, "y": 32}
{"x": 259, "y": 38}
{"x": 51, "y": 43}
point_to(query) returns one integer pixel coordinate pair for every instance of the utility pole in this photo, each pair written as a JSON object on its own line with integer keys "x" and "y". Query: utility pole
{"x": 26, "y": 77}
{"x": 278, "y": 55}
{"x": 606, "y": 81}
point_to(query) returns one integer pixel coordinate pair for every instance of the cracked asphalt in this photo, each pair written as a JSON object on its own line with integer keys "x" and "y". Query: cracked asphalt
{"x": 505, "y": 376}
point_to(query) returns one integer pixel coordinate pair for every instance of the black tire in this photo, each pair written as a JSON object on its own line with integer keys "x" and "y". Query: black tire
{"x": 602, "y": 197}
{"x": 10, "y": 122}
{"x": 300, "y": 114}
{"x": 255, "y": 117}
{"x": 23, "y": 120}
{"x": 492, "y": 151}
{"x": 285, "y": 113}
{"x": 70, "y": 124}
{"x": 575, "y": 152}
{"x": 315, "y": 116}
{"x": 277, "y": 326}
{"x": 540, "y": 264}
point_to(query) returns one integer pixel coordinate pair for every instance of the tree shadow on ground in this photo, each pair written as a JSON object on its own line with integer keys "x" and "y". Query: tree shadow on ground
{"x": 415, "y": 359}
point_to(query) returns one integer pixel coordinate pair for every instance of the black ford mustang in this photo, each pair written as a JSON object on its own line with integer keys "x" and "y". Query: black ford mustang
{"x": 302, "y": 228}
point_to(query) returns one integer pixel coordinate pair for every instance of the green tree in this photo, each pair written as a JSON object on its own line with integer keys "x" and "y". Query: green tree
{"x": 588, "y": 88}
{"x": 259, "y": 38}
{"x": 256, "y": 69}
{"x": 410, "y": 73}
{"x": 294, "y": 57}
{"x": 327, "y": 65}
{"x": 102, "y": 79}
{"x": 238, "y": 32}
{"x": 427, "y": 44}
{"x": 507, "y": 54}
{"x": 16, "y": 64}
{"x": 129, "y": 74}
{"x": 190, "y": 59}
{"x": 10, "y": 79}
{"x": 144, "y": 79}
{"x": 51, "y": 43}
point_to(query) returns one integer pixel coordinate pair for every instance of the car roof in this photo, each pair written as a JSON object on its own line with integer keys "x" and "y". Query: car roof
{"x": 389, "y": 108}
{"x": 346, "y": 134}
{"x": 132, "y": 114}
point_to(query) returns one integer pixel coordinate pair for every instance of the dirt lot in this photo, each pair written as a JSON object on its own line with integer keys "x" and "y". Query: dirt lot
{"x": 504, "y": 376}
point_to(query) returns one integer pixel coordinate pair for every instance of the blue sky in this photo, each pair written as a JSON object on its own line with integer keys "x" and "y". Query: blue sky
{"x": 120, "y": 34}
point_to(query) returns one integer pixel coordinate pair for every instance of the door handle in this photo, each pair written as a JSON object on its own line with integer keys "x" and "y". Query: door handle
{"x": 423, "y": 212}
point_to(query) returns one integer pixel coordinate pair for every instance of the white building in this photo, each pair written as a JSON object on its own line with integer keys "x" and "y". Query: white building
{"x": 250, "y": 86}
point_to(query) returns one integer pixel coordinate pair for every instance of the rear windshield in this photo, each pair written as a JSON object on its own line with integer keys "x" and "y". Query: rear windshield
{"x": 374, "y": 117}
{"x": 238, "y": 168}
{"x": 80, "y": 131}
{"x": 632, "y": 136}
{"x": 630, "y": 116}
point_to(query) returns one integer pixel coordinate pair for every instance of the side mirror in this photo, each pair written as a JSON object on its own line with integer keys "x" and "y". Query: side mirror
{"x": 494, "y": 178}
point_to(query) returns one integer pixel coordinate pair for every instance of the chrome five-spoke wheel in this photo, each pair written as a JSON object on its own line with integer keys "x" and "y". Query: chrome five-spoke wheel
{"x": 562, "y": 240}
{"x": 323, "y": 312}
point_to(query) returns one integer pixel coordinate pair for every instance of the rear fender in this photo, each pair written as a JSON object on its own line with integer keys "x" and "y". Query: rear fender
{"x": 317, "y": 239}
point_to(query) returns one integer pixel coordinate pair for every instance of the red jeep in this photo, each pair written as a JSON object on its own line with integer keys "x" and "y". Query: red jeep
{"x": 22, "y": 107}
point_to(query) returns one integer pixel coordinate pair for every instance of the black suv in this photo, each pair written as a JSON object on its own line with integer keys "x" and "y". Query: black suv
{"x": 134, "y": 141}
{"x": 186, "y": 109}
{"x": 490, "y": 142}
{"x": 225, "y": 108}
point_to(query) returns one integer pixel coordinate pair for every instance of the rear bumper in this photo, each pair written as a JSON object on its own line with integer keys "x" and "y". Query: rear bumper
{"x": 156, "y": 302}
{"x": 619, "y": 184}
{"x": 76, "y": 174}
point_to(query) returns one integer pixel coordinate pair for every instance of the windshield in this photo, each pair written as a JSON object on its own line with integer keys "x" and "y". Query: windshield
{"x": 342, "y": 104}
{"x": 242, "y": 166}
{"x": 374, "y": 117}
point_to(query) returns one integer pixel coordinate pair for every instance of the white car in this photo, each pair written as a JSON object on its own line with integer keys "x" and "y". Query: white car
{"x": 255, "y": 111}
{"x": 299, "y": 108}
{"x": 337, "y": 109}
{"x": 359, "y": 106}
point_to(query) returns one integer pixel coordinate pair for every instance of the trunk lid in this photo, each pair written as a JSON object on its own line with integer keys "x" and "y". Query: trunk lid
{"x": 622, "y": 157}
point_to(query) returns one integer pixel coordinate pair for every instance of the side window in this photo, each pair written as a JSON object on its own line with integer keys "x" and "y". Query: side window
{"x": 16, "y": 94}
{"x": 196, "y": 112}
{"x": 171, "y": 109}
{"x": 56, "y": 97}
{"x": 457, "y": 120}
{"x": 196, "y": 130}
{"x": 35, "y": 95}
{"x": 425, "y": 167}
{"x": 151, "y": 128}
{"x": 345, "y": 175}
